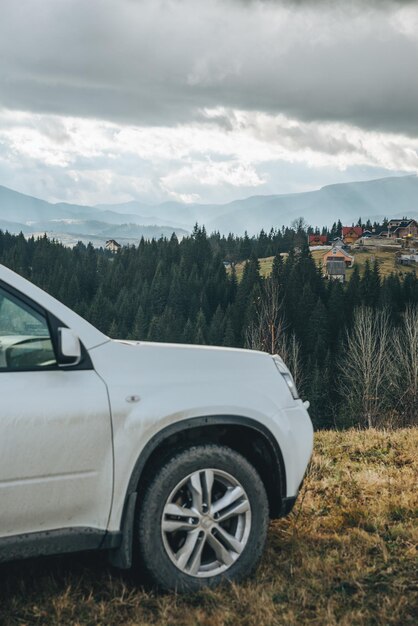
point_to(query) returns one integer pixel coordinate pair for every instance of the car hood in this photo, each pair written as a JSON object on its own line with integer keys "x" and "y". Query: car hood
{"x": 190, "y": 353}
{"x": 177, "y": 363}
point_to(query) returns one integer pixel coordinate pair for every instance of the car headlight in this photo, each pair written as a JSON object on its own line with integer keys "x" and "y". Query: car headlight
{"x": 287, "y": 376}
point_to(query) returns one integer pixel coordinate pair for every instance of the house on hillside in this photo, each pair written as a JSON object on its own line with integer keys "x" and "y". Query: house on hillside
{"x": 337, "y": 254}
{"x": 112, "y": 245}
{"x": 350, "y": 234}
{"x": 401, "y": 229}
{"x": 317, "y": 240}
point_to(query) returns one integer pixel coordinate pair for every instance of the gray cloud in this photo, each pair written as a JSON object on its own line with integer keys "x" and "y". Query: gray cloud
{"x": 363, "y": 3}
{"x": 159, "y": 62}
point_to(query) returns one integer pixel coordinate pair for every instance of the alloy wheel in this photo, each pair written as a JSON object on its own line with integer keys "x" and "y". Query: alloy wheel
{"x": 206, "y": 523}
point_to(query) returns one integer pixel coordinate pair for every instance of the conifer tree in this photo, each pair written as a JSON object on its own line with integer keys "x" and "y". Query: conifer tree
{"x": 139, "y": 330}
{"x": 200, "y": 330}
{"x": 216, "y": 328}
{"x": 229, "y": 335}
{"x": 188, "y": 332}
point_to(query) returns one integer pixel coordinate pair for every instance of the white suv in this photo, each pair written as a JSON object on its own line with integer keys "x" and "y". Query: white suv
{"x": 170, "y": 457}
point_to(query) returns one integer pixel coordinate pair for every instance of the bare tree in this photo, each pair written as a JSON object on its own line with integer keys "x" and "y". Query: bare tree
{"x": 263, "y": 333}
{"x": 404, "y": 371}
{"x": 289, "y": 349}
{"x": 270, "y": 333}
{"x": 365, "y": 368}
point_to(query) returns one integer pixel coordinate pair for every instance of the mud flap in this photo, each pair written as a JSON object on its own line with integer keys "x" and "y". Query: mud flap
{"x": 121, "y": 557}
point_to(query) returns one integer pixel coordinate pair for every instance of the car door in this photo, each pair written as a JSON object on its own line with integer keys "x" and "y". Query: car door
{"x": 55, "y": 432}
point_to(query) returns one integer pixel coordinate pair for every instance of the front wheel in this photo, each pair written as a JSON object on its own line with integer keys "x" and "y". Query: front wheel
{"x": 203, "y": 518}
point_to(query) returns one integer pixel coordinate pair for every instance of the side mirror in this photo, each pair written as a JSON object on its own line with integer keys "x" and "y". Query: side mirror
{"x": 69, "y": 347}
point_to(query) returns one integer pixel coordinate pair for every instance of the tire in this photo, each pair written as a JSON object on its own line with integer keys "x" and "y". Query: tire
{"x": 203, "y": 519}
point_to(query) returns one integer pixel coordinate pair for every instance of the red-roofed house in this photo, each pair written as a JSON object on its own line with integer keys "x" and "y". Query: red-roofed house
{"x": 351, "y": 234}
{"x": 318, "y": 240}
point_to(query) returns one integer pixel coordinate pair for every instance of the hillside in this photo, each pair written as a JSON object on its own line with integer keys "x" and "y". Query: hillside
{"x": 386, "y": 259}
{"x": 346, "y": 556}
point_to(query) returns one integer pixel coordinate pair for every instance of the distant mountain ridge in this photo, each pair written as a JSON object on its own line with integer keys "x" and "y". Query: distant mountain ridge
{"x": 128, "y": 222}
{"x": 70, "y": 223}
{"x": 375, "y": 199}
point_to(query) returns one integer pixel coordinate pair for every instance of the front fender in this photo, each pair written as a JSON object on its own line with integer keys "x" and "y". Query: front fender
{"x": 152, "y": 388}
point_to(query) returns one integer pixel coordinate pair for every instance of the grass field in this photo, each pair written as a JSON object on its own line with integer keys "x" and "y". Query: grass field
{"x": 385, "y": 258}
{"x": 266, "y": 265}
{"x": 346, "y": 555}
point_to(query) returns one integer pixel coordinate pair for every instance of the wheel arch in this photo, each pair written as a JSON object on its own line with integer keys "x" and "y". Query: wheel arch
{"x": 245, "y": 435}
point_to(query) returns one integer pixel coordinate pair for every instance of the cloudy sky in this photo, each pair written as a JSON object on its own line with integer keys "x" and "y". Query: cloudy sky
{"x": 113, "y": 100}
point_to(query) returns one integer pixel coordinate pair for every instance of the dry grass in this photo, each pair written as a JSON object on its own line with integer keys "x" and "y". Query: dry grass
{"x": 266, "y": 265}
{"x": 346, "y": 555}
{"x": 386, "y": 259}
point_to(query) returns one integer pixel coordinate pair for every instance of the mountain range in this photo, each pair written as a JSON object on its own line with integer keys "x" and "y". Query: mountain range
{"x": 128, "y": 222}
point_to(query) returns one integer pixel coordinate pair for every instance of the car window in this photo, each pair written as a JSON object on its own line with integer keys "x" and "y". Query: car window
{"x": 25, "y": 341}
